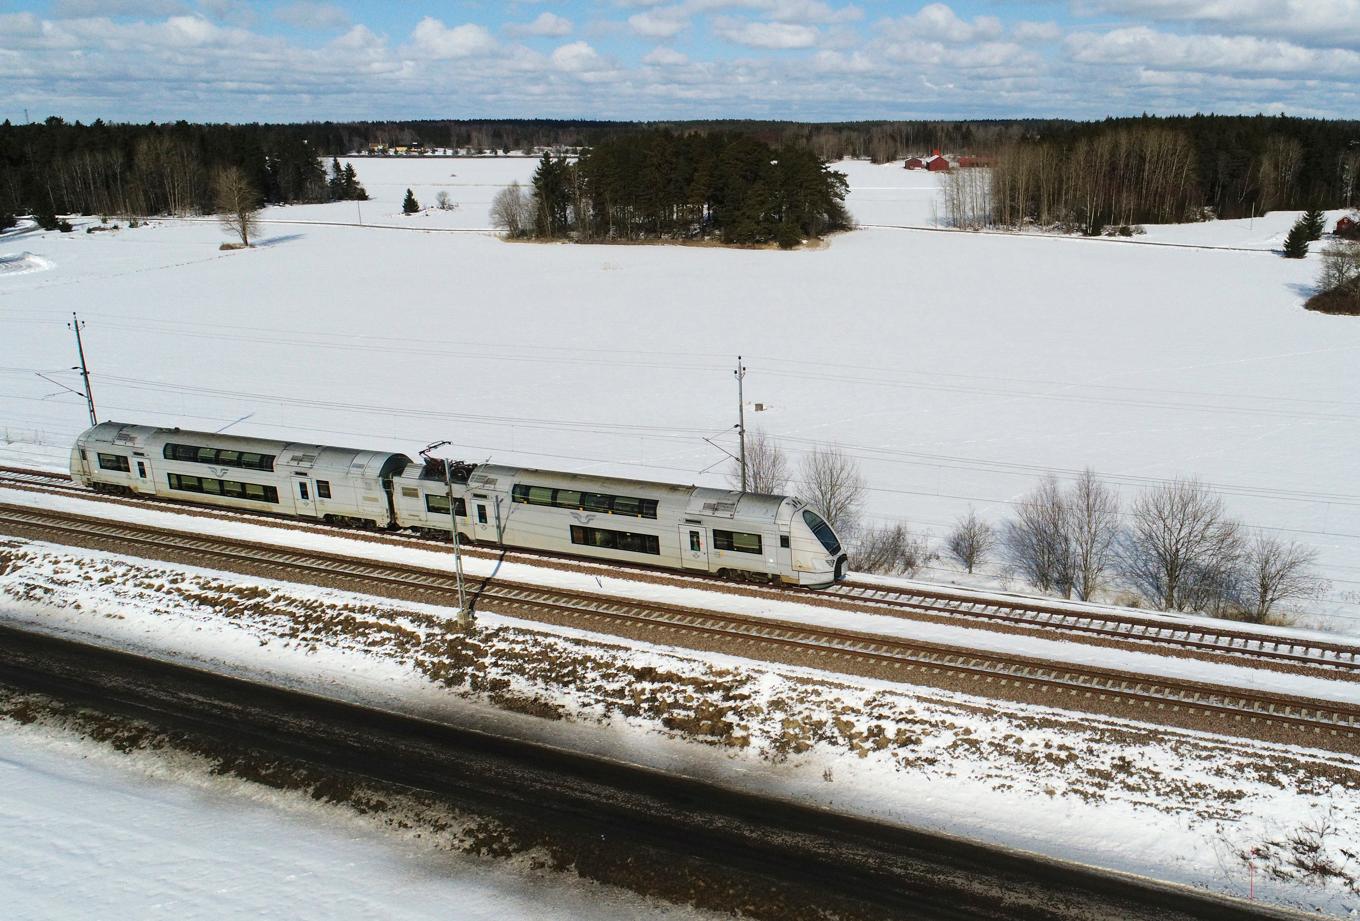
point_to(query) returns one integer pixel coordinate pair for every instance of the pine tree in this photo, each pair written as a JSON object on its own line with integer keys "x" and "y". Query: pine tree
{"x": 1316, "y": 222}
{"x": 1296, "y": 244}
{"x": 410, "y": 206}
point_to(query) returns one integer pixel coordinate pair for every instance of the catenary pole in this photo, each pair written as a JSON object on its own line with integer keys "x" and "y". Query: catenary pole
{"x": 464, "y": 615}
{"x": 741, "y": 418}
{"x": 76, "y": 325}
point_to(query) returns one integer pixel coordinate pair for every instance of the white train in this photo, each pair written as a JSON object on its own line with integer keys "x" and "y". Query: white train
{"x": 743, "y": 536}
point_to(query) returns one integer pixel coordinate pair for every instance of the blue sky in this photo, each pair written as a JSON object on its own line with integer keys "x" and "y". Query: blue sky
{"x": 238, "y": 60}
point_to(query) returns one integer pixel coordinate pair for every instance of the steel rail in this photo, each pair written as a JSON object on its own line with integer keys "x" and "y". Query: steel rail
{"x": 1041, "y": 617}
{"x": 903, "y": 658}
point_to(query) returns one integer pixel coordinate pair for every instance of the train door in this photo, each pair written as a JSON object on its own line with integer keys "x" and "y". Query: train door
{"x": 304, "y": 496}
{"x": 483, "y": 518}
{"x": 693, "y": 547}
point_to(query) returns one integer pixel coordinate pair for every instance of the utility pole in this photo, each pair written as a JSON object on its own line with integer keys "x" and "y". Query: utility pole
{"x": 464, "y": 615}
{"x": 84, "y": 369}
{"x": 741, "y": 418}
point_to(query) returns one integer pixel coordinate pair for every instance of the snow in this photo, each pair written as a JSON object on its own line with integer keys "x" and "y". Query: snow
{"x": 85, "y": 832}
{"x": 957, "y": 368}
{"x": 964, "y": 638}
{"x": 1174, "y": 804}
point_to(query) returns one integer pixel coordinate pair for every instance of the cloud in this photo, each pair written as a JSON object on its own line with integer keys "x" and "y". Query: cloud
{"x": 306, "y": 14}
{"x": 1146, "y": 47}
{"x": 147, "y": 9}
{"x": 765, "y": 34}
{"x": 578, "y": 58}
{"x": 938, "y": 22}
{"x": 433, "y": 38}
{"x": 660, "y": 23}
{"x": 1036, "y": 32}
{"x": 545, "y": 24}
{"x": 665, "y": 57}
{"x": 1322, "y": 23}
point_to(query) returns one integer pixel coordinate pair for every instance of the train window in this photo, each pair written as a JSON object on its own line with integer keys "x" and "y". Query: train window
{"x": 590, "y": 501}
{"x": 481, "y": 513}
{"x": 410, "y": 492}
{"x": 323, "y": 489}
{"x": 302, "y": 492}
{"x": 221, "y": 457}
{"x": 616, "y": 540}
{"x": 694, "y": 543}
{"x": 439, "y": 505}
{"x": 738, "y": 541}
{"x": 784, "y": 541}
{"x": 823, "y": 531}
{"x": 114, "y": 462}
{"x": 209, "y": 486}
{"x": 594, "y": 502}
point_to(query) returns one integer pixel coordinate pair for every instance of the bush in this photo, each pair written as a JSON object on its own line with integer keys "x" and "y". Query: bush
{"x": 7, "y": 220}
{"x": 891, "y": 550}
{"x": 1339, "y": 282}
{"x": 46, "y": 218}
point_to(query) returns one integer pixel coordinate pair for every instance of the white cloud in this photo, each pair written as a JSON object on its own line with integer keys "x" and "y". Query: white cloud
{"x": 306, "y": 14}
{"x": 1036, "y": 32}
{"x": 938, "y": 22}
{"x": 660, "y": 23}
{"x": 578, "y": 58}
{"x": 1325, "y": 23}
{"x": 1142, "y": 46}
{"x": 765, "y": 34}
{"x": 545, "y": 24}
{"x": 665, "y": 57}
{"x": 435, "y": 39}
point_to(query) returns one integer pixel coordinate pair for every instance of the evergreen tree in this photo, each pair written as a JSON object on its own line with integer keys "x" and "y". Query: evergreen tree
{"x": 336, "y": 183}
{"x": 353, "y": 190}
{"x": 1296, "y": 244}
{"x": 409, "y": 205}
{"x": 1316, "y": 222}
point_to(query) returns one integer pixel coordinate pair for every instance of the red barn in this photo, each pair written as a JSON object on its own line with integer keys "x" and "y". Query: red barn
{"x": 974, "y": 162}
{"x": 1347, "y": 227}
{"x": 914, "y": 163}
{"x": 936, "y": 163}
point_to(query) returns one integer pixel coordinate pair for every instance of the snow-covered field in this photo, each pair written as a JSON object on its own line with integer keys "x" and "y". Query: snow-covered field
{"x": 956, "y": 367}
{"x": 1179, "y": 805}
{"x": 90, "y": 832}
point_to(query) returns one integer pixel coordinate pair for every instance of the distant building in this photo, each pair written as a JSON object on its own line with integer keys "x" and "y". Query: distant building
{"x": 936, "y": 163}
{"x": 914, "y": 163}
{"x": 377, "y": 148}
{"x": 1347, "y": 227}
{"x": 974, "y": 162}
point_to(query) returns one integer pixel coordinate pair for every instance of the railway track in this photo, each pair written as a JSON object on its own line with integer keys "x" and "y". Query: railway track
{"x": 1182, "y": 702}
{"x": 1110, "y": 626}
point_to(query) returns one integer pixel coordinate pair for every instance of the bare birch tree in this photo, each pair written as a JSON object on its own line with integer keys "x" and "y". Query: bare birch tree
{"x": 830, "y": 480}
{"x": 512, "y": 211}
{"x": 766, "y": 466}
{"x": 971, "y": 540}
{"x": 1274, "y": 571}
{"x": 1037, "y": 542}
{"x": 238, "y": 204}
{"x": 1093, "y": 529}
{"x": 1181, "y": 547}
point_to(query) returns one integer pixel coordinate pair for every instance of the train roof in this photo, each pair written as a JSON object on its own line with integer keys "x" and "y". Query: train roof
{"x": 286, "y": 454}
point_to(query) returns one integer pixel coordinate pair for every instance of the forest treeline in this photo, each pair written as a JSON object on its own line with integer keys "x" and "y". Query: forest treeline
{"x": 1084, "y": 174}
{"x": 659, "y": 185}
{"x": 113, "y": 169}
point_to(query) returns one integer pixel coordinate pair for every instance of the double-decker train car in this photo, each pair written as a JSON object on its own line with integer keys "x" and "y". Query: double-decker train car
{"x": 745, "y": 536}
